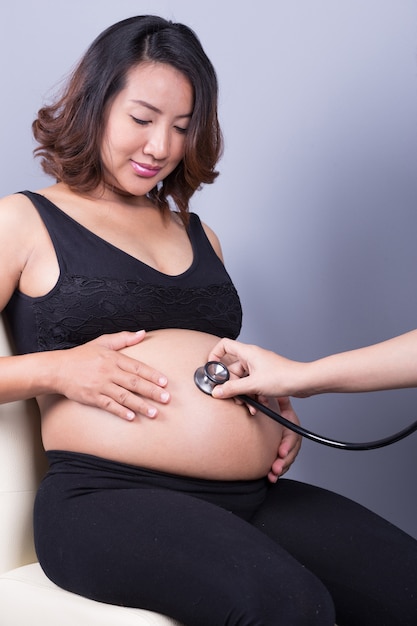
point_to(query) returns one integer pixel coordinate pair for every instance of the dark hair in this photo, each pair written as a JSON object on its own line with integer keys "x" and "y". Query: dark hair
{"x": 70, "y": 131}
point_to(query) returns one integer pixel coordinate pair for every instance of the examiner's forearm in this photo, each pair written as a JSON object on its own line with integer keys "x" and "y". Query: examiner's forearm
{"x": 387, "y": 365}
{"x": 391, "y": 364}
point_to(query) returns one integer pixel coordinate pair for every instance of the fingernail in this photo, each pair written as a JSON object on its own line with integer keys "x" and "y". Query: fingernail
{"x": 164, "y": 396}
{"x": 151, "y": 412}
{"x": 162, "y": 381}
{"x": 130, "y": 415}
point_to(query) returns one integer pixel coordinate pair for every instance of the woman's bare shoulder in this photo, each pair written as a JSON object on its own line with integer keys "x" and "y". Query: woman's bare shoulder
{"x": 214, "y": 240}
{"x": 19, "y": 229}
{"x": 14, "y": 206}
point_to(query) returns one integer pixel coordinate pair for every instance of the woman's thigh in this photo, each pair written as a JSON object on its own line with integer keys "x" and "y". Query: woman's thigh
{"x": 173, "y": 553}
{"x": 368, "y": 565}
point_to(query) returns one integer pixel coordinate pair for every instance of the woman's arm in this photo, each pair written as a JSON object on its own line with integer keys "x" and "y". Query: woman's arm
{"x": 390, "y": 364}
{"x": 95, "y": 373}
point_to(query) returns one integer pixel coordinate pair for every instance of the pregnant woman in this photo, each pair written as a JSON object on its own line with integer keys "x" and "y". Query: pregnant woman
{"x": 157, "y": 496}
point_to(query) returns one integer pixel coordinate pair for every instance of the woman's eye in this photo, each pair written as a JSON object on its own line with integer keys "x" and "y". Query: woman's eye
{"x": 141, "y": 122}
{"x": 138, "y": 121}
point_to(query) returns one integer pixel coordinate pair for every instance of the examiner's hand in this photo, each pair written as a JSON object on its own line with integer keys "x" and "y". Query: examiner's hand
{"x": 290, "y": 443}
{"x": 257, "y": 371}
{"x": 98, "y": 374}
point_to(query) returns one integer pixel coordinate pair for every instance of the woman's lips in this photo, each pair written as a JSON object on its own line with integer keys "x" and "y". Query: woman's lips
{"x": 147, "y": 171}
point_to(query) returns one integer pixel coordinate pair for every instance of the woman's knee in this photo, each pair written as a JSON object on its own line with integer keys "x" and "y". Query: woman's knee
{"x": 281, "y": 599}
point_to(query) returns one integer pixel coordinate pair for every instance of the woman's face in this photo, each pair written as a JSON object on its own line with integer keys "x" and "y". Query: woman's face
{"x": 145, "y": 128}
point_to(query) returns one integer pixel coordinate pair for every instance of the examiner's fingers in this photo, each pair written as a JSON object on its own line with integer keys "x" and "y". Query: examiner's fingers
{"x": 225, "y": 347}
{"x": 232, "y": 388}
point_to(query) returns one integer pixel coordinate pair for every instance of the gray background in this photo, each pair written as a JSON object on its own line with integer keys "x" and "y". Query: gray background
{"x": 316, "y": 203}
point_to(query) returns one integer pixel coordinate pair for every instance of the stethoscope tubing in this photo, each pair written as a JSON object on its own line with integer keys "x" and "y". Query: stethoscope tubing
{"x": 333, "y": 443}
{"x": 214, "y": 373}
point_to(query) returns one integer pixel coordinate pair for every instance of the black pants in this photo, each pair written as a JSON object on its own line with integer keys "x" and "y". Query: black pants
{"x": 214, "y": 553}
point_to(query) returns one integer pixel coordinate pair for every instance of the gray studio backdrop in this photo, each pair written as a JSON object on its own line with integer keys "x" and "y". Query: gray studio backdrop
{"x": 316, "y": 206}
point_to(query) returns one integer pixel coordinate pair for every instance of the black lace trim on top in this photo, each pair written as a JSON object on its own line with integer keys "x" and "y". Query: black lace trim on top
{"x": 83, "y": 308}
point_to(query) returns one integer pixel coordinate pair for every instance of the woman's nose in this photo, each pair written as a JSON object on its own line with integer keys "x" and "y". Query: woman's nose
{"x": 158, "y": 143}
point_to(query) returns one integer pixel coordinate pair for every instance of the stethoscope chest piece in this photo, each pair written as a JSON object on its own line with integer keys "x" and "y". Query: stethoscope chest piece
{"x": 210, "y": 375}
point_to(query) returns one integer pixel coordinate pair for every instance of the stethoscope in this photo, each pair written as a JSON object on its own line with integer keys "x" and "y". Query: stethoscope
{"x": 216, "y": 373}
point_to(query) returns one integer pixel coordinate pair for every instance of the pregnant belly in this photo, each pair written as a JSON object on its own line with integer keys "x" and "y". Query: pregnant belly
{"x": 193, "y": 435}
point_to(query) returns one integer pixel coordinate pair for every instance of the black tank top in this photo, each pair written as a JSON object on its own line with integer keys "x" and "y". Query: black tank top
{"x": 102, "y": 289}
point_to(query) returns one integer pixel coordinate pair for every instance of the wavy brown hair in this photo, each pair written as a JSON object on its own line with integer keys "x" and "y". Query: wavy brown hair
{"x": 70, "y": 130}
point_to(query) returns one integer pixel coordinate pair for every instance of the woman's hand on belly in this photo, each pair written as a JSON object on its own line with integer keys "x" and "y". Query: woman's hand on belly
{"x": 98, "y": 374}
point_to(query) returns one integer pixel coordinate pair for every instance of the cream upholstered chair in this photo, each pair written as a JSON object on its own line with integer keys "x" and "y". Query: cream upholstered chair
{"x": 27, "y": 596}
